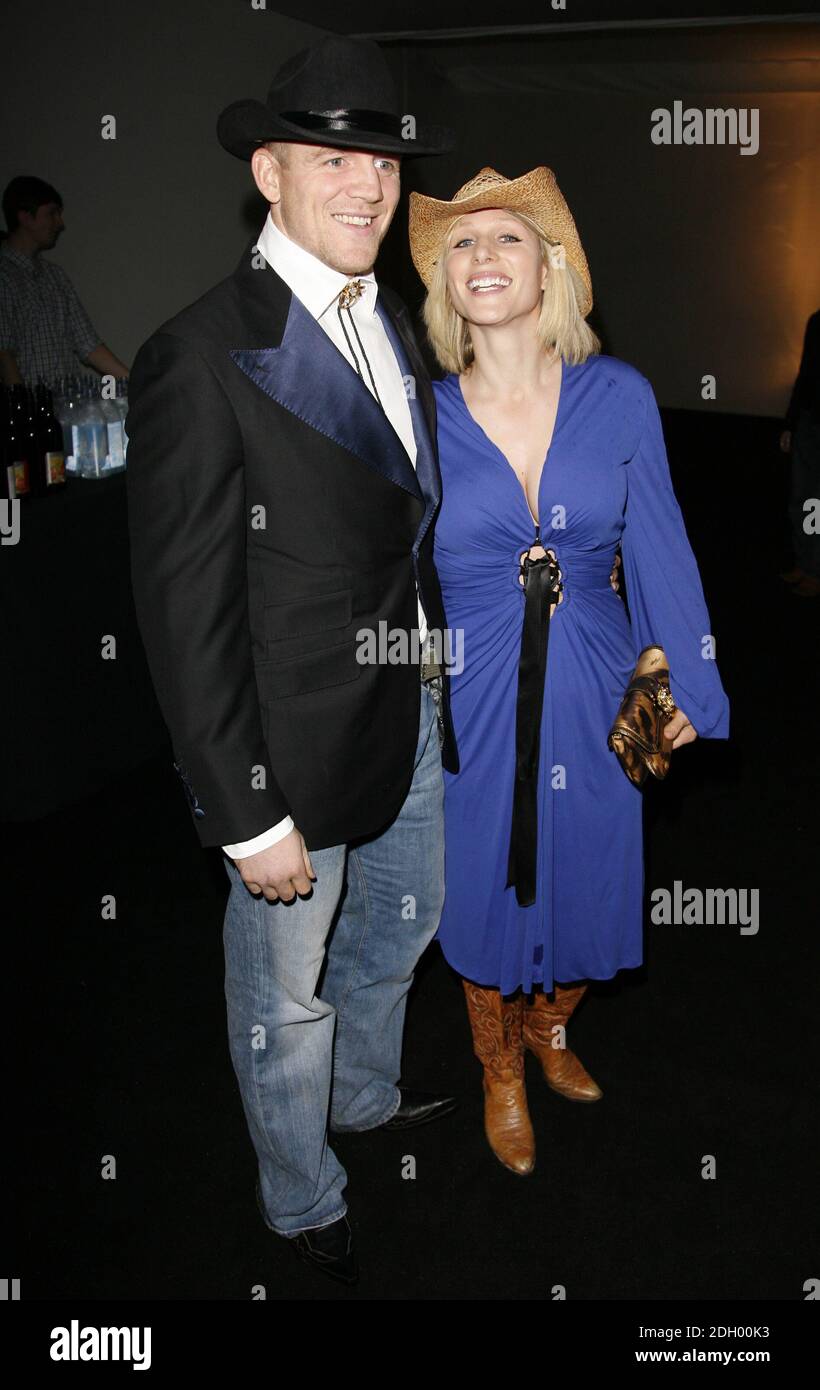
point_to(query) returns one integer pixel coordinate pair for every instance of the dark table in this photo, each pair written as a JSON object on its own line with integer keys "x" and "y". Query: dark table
{"x": 70, "y": 719}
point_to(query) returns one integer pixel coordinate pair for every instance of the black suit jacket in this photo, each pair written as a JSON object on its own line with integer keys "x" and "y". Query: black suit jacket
{"x": 273, "y": 514}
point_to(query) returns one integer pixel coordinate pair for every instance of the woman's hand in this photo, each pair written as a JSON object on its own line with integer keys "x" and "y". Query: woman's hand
{"x": 679, "y": 730}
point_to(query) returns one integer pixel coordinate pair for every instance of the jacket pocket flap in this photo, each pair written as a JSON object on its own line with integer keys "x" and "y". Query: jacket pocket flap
{"x": 315, "y": 671}
{"x": 299, "y": 617}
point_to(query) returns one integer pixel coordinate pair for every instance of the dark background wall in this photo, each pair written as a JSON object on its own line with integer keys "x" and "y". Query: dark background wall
{"x": 703, "y": 260}
{"x": 158, "y": 215}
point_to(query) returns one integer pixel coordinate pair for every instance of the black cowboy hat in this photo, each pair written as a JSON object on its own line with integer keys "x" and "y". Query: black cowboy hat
{"x": 338, "y": 92}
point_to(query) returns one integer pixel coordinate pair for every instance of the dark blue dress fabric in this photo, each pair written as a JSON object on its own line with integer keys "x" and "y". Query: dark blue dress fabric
{"x": 605, "y": 483}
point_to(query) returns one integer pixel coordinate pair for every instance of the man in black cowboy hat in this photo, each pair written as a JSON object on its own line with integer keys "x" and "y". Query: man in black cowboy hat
{"x": 283, "y": 484}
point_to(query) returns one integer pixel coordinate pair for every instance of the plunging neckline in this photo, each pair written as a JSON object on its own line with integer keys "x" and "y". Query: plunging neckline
{"x": 535, "y": 520}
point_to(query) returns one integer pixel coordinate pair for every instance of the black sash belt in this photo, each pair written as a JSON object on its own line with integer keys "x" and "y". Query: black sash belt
{"x": 542, "y": 584}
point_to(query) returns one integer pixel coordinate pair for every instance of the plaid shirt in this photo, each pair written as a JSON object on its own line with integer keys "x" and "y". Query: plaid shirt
{"x": 42, "y": 321}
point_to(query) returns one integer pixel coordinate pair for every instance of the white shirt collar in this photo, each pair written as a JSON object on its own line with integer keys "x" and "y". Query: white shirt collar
{"x": 317, "y": 285}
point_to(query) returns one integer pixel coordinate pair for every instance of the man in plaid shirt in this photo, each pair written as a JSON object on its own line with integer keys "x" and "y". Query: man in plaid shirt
{"x": 44, "y": 329}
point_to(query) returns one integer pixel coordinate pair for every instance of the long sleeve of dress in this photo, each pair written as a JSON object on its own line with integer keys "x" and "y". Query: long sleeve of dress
{"x": 664, "y": 591}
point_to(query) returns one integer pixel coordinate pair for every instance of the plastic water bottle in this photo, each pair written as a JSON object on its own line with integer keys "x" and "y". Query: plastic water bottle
{"x": 91, "y": 435}
{"x": 116, "y": 443}
{"x": 122, "y": 405}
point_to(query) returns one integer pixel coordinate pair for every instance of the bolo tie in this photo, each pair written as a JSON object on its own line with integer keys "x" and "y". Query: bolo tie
{"x": 348, "y": 296}
{"x": 542, "y": 586}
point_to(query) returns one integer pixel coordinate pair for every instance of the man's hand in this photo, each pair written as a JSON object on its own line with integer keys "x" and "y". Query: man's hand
{"x": 679, "y": 730}
{"x": 103, "y": 359}
{"x": 613, "y": 578}
{"x": 280, "y": 871}
{"x": 9, "y": 370}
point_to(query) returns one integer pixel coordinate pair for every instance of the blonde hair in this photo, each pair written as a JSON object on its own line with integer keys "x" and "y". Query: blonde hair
{"x": 561, "y": 326}
{"x": 280, "y": 149}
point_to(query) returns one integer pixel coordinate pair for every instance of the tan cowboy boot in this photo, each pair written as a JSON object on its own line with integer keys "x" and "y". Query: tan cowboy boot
{"x": 562, "y": 1070}
{"x": 498, "y": 1045}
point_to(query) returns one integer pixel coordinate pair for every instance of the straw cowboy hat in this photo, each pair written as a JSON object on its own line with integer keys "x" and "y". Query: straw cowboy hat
{"x": 338, "y": 92}
{"x": 535, "y": 193}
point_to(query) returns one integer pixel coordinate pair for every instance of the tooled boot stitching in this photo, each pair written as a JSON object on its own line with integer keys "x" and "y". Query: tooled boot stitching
{"x": 563, "y": 1071}
{"x": 498, "y": 1044}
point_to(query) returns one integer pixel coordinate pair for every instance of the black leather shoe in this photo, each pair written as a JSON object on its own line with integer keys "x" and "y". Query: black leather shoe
{"x": 328, "y": 1248}
{"x": 418, "y": 1108}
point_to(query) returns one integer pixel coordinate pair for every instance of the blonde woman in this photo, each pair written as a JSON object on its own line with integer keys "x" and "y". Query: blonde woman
{"x": 550, "y": 451}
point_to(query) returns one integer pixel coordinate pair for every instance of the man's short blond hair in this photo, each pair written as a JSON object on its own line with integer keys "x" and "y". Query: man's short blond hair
{"x": 560, "y": 324}
{"x": 280, "y": 149}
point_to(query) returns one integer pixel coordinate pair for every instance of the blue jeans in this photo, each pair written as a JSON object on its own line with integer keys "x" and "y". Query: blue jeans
{"x": 307, "y": 1051}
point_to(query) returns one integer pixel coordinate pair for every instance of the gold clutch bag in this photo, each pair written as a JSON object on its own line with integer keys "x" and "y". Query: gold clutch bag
{"x": 637, "y": 735}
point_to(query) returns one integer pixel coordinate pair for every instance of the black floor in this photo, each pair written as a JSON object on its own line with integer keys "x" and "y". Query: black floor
{"x": 710, "y": 1049}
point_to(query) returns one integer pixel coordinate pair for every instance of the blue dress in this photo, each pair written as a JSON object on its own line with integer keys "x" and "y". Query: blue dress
{"x": 605, "y": 483}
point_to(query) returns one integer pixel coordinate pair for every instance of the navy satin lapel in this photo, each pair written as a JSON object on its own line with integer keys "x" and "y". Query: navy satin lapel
{"x": 426, "y": 467}
{"x": 313, "y": 380}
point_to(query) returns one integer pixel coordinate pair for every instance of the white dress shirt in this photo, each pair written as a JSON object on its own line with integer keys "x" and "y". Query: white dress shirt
{"x": 317, "y": 286}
